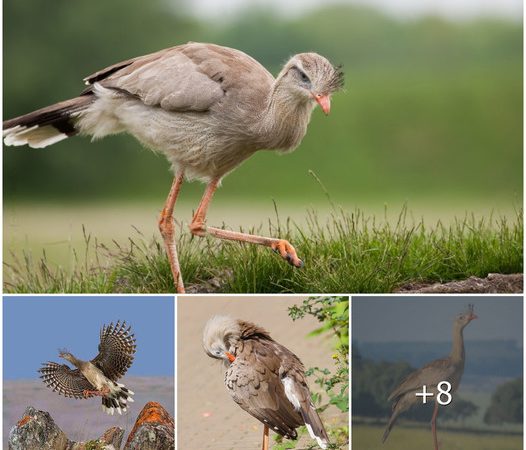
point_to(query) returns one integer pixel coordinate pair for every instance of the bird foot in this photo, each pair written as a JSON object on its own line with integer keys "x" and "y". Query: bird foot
{"x": 287, "y": 252}
{"x": 87, "y": 393}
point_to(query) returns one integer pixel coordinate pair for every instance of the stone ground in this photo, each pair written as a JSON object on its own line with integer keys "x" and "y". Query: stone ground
{"x": 82, "y": 420}
{"x": 207, "y": 416}
{"x": 494, "y": 283}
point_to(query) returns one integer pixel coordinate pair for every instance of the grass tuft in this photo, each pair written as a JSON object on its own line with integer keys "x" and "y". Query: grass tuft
{"x": 349, "y": 252}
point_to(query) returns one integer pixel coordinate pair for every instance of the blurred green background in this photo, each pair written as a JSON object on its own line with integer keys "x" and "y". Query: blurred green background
{"x": 432, "y": 114}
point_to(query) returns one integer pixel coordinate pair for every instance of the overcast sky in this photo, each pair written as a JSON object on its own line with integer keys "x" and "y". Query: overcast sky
{"x": 455, "y": 9}
{"x": 430, "y": 319}
{"x": 36, "y": 327}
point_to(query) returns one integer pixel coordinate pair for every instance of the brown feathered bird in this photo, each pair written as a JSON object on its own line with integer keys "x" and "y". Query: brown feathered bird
{"x": 448, "y": 369}
{"x": 207, "y": 108}
{"x": 263, "y": 377}
{"x": 98, "y": 377}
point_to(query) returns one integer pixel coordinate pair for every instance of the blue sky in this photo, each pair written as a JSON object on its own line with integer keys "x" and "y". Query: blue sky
{"x": 35, "y": 327}
{"x": 430, "y": 318}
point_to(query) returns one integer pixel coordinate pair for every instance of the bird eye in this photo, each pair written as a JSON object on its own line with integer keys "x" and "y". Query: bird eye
{"x": 302, "y": 74}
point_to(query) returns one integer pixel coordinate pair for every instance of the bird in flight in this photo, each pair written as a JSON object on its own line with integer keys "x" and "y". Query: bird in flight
{"x": 99, "y": 376}
{"x": 448, "y": 369}
{"x": 264, "y": 378}
{"x": 207, "y": 108}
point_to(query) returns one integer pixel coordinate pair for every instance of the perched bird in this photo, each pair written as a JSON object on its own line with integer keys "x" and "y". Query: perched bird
{"x": 98, "y": 376}
{"x": 266, "y": 379}
{"x": 207, "y": 108}
{"x": 448, "y": 369}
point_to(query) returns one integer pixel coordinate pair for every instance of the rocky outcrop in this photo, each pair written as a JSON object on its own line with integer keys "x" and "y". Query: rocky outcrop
{"x": 36, "y": 430}
{"x": 110, "y": 440}
{"x": 153, "y": 430}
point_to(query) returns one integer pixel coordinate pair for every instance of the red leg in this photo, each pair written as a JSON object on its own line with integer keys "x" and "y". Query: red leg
{"x": 434, "y": 425}
{"x": 198, "y": 228}
{"x": 265, "y": 438}
{"x": 167, "y": 228}
{"x": 103, "y": 392}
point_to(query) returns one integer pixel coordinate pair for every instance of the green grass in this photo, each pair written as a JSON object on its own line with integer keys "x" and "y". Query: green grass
{"x": 368, "y": 437}
{"x": 347, "y": 253}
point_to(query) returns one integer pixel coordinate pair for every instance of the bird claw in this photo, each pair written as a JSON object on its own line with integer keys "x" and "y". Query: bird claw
{"x": 287, "y": 252}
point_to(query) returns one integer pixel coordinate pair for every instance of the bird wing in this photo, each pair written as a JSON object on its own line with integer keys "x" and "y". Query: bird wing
{"x": 430, "y": 375}
{"x": 254, "y": 384}
{"x": 186, "y": 78}
{"x": 68, "y": 382}
{"x": 292, "y": 376}
{"x": 116, "y": 350}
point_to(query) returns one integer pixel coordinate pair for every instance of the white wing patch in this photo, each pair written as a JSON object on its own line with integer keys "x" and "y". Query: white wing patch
{"x": 288, "y": 383}
{"x": 290, "y": 392}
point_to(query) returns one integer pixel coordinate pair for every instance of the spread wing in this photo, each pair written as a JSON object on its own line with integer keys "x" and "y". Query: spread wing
{"x": 189, "y": 77}
{"x": 116, "y": 350}
{"x": 60, "y": 378}
{"x": 254, "y": 383}
{"x": 430, "y": 375}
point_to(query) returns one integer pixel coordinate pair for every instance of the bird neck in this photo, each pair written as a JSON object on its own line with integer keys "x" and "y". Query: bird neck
{"x": 75, "y": 361}
{"x": 286, "y": 117}
{"x": 457, "y": 351}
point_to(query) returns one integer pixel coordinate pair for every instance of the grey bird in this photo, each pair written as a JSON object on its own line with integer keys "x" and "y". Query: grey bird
{"x": 448, "y": 369}
{"x": 264, "y": 378}
{"x": 99, "y": 376}
{"x": 207, "y": 108}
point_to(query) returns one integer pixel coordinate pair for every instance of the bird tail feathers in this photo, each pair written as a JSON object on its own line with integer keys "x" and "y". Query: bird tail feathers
{"x": 46, "y": 126}
{"x": 390, "y": 425}
{"x": 117, "y": 399}
{"x": 315, "y": 426}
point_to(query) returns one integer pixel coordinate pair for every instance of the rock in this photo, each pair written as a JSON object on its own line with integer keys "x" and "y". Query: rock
{"x": 113, "y": 436}
{"x": 494, "y": 283}
{"x": 110, "y": 440}
{"x": 36, "y": 431}
{"x": 154, "y": 429}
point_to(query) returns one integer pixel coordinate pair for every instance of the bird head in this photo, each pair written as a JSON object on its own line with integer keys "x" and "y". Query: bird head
{"x": 311, "y": 78}
{"x": 466, "y": 317}
{"x": 219, "y": 336}
{"x": 64, "y": 354}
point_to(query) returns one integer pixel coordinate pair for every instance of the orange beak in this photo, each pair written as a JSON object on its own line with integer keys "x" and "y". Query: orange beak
{"x": 230, "y": 357}
{"x": 324, "y": 101}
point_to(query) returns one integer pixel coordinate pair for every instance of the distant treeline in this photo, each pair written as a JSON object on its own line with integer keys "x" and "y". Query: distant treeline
{"x": 431, "y": 107}
{"x": 498, "y": 358}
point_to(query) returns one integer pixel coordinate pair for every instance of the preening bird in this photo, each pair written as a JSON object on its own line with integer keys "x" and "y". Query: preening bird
{"x": 207, "y": 108}
{"x": 98, "y": 376}
{"x": 448, "y": 369}
{"x": 263, "y": 377}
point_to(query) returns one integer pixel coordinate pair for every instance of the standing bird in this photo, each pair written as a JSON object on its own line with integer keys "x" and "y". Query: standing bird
{"x": 448, "y": 369}
{"x": 266, "y": 379}
{"x": 207, "y": 108}
{"x": 98, "y": 376}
